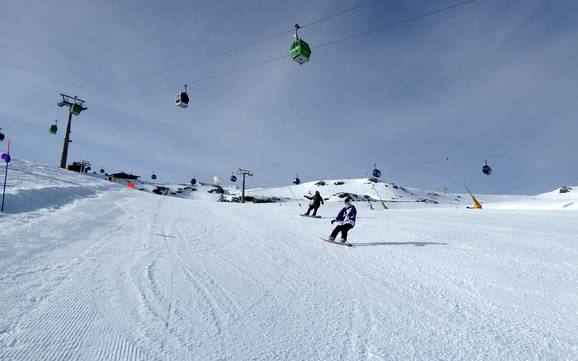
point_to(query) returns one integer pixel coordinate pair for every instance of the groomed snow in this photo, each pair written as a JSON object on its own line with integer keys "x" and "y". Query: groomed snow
{"x": 119, "y": 274}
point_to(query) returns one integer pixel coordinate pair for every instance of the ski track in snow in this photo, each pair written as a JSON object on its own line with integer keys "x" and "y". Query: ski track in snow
{"x": 132, "y": 276}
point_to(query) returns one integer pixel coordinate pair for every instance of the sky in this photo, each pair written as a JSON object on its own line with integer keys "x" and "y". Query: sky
{"x": 491, "y": 80}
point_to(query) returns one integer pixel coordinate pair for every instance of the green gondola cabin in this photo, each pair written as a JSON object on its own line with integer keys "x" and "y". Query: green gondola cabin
{"x": 300, "y": 50}
{"x": 53, "y": 129}
{"x": 76, "y": 109}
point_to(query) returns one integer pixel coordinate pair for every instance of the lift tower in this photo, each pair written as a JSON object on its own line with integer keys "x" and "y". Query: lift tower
{"x": 75, "y": 106}
{"x": 244, "y": 173}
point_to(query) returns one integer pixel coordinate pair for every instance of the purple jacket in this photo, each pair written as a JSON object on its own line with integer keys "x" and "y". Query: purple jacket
{"x": 347, "y": 215}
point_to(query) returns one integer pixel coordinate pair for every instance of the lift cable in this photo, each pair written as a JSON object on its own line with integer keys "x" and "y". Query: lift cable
{"x": 277, "y": 58}
{"x": 229, "y": 51}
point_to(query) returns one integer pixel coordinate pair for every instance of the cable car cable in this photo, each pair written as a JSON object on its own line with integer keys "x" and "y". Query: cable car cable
{"x": 335, "y": 15}
{"x": 397, "y": 23}
{"x": 231, "y": 50}
{"x": 224, "y": 52}
{"x": 271, "y": 60}
{"x": 211, "y": 77}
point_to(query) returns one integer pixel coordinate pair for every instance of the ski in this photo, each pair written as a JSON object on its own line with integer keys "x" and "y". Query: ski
{"x": 338, "y": 243}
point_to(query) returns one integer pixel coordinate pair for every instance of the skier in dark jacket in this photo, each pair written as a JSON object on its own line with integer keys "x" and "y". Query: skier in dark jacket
{"x": 314, "y": 203}
{"x": 345, "y": 219}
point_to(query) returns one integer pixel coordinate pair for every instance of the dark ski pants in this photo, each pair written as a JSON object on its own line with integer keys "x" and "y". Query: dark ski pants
{"x": 344, "y": 228}
{"x": 312, "y": 207}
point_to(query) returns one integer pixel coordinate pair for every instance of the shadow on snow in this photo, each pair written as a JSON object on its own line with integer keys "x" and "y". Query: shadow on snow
{"x": 417, "y": 244}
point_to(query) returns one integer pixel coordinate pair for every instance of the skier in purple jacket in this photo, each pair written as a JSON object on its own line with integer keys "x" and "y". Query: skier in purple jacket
{"x": 345, "y": 219}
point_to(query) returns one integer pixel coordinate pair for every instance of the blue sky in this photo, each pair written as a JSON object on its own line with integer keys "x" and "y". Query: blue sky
{"x": 490, "y": 80}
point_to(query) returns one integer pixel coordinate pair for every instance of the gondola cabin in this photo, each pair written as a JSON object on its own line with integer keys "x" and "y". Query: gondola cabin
{"x": 76, "y": 108}
{"x": 1, "y": 135}
{"x": 486, "y": 169}
{"x": 233, "y": 178}
{"x": 376, "y": 172}
{"x": 300, "y": 50}
{"x": 153, "y": 176}
{"x": 193, "y": 181}
{"x": 296, "y": 181}
{"x": 182, "y": 98}
{"x": 53, "y": 129}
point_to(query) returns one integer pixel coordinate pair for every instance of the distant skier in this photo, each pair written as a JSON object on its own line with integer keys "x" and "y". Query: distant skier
{"x": 346, "y": 219}
{"x": 314, "y": 203}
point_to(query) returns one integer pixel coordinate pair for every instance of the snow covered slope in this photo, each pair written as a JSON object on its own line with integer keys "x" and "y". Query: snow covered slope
{"x": 129, "y": 275}
{"x": 32, "y": 187}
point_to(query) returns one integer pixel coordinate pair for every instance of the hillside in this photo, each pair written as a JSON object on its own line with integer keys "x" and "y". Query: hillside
{"x": 365, "y": 190}
{"x": 360, "y": 190}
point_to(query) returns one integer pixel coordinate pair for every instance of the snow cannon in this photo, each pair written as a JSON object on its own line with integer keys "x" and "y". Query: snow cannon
{"x": 477, "y": 205}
